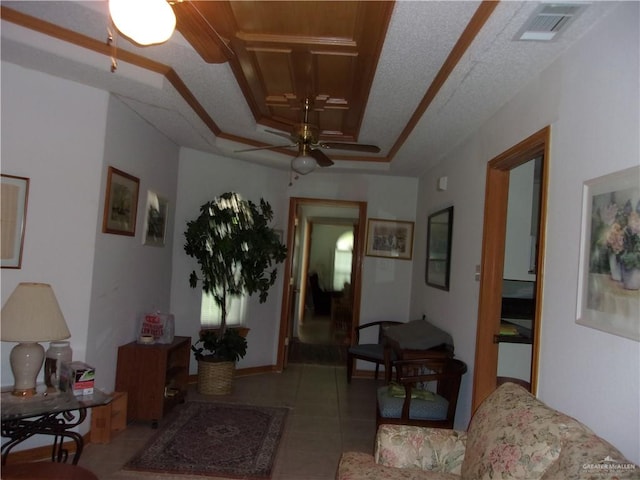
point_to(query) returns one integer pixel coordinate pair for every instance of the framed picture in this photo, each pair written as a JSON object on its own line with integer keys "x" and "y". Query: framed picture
{"x": 389, "y": 238}
{"x": 609, "y": 269}
{"x": 121, "y": 203}
{"x": 439, "y": 231}
{"x": 14, "y": 194}
{"x": 155, "y": 222}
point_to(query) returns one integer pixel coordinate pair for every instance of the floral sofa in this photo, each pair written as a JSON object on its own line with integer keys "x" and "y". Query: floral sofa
{"x": 513, "y": 435}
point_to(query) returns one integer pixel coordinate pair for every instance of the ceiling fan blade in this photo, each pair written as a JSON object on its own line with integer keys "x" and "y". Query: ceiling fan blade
{"x": 290, "y": 137}
{"x": 320, "y": 157}
{"x": 358, "y": 147}
{"x": 265, "y": 148}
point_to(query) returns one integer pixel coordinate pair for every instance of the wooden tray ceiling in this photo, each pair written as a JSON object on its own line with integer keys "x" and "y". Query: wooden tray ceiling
{"x": 280, "y": 58}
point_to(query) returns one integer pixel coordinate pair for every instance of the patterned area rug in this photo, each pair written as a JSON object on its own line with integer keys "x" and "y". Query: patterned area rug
{"x": 217, "y": 440}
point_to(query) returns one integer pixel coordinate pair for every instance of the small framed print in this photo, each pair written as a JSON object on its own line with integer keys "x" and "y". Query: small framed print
{"x": 390, "y": 239}
{"x": 121, "y": 203}
{"x": 14, "y": 194}
{"x": 155, "y": 222}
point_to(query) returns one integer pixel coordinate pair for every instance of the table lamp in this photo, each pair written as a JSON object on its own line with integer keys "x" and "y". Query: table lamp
{"x": 30, "y": 315}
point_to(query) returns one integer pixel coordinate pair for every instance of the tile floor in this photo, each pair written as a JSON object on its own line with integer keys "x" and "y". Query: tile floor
{"x": 328, "y": 416}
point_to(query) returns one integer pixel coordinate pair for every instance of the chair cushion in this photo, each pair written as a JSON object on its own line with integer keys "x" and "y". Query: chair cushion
{"x": 428, "y": 408}
{"x": 370, "y": 350}
{"x": 399, "y": 391}
{"x": 418, "y": 335}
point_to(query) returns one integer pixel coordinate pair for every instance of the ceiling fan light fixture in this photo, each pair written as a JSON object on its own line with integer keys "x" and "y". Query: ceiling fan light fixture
{"x": 303, "y": 164}
{"x": 146, "y": 22}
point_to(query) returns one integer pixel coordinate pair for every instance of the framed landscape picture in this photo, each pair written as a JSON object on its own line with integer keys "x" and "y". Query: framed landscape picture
{"x": 13, "y": 217}
{"x": 121, "y": 203}
{"x": 609, "y": 268}
{"x": 439, "y": 233}
{"x": 389, "y": 238}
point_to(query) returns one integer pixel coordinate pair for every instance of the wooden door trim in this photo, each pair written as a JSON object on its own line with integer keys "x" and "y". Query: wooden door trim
{"x": 358, "y": 252}
{"x": 492, "y": 263}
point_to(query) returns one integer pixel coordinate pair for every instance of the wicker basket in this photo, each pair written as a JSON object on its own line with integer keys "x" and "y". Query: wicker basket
{"x": 215, "y": 378}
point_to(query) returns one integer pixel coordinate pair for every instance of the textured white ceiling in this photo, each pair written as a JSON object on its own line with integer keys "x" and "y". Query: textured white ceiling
{"x": 420, "y": 37}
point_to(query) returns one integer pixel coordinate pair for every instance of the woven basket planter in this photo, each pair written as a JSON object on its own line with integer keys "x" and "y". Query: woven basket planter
{"x": 215, "y": 378}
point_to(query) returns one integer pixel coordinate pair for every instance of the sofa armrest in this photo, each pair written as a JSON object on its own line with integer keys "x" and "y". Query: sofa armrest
{"x": 434, "y": 449}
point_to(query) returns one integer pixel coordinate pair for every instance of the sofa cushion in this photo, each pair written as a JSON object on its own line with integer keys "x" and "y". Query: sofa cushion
{"x": 361, "y": 466}
{"x": 512, "y": 435}
{"x": 371, "y": 350}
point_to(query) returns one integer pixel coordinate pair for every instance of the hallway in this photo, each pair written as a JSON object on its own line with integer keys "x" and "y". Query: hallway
{"x": 317, "y": 343}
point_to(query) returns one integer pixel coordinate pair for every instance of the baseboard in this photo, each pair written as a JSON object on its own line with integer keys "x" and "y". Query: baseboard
{"x": 243, "y": 372}
{"x": 368, "y": 374}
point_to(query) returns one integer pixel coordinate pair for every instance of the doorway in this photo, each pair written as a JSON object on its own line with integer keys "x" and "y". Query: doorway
{"x": 320, "y": 304}
{"x": 494, "y": 247}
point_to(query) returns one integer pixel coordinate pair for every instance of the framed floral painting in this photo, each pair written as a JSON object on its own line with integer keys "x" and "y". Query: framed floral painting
{"x": 609, "y": 274}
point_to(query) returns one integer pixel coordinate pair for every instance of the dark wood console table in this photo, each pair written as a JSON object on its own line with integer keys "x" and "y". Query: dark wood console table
{"x": 413, "y": 340}
{"x": 51, "y": 414}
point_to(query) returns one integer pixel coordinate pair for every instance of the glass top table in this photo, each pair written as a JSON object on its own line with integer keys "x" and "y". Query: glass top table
{"x": 47, "y": 414}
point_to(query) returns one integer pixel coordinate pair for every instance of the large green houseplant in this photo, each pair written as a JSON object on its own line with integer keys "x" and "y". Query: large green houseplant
{"x": 237, "y": 252}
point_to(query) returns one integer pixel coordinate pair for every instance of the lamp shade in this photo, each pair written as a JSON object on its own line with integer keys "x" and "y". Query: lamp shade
{"x": 303, "y": 164}
{"x": 146, "y": 22}
{"x": 32, "y": 314}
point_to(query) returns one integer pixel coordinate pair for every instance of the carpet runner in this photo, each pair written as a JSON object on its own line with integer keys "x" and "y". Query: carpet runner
{"x": 216, "y": 440}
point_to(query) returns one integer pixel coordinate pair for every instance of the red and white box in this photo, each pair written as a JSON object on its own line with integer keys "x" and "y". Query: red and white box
{"x": 77, "y": 377}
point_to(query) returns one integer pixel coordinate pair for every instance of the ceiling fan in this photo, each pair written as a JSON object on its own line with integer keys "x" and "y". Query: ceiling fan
{"x": 310, "y": 154}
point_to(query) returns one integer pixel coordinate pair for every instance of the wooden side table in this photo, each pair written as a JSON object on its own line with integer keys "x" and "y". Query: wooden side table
{"x": 154, "y": 376}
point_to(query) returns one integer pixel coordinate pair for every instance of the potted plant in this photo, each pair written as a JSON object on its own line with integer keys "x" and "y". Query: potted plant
{"x": 237, "y": 253}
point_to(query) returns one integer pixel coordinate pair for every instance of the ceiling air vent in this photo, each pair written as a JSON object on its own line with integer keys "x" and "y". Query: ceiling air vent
{"x": 548, "y": 21}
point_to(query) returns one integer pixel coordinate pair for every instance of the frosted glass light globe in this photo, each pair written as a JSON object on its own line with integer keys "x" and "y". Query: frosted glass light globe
{"x": 146, "y": 22}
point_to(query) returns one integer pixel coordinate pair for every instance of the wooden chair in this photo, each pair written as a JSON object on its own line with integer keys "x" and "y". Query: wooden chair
{"x": 409, "y": 401}
{"x": 370, "y": 352}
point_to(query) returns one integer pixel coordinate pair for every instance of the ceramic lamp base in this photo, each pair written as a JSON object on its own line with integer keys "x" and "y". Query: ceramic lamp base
{"x": 26, "y": 361}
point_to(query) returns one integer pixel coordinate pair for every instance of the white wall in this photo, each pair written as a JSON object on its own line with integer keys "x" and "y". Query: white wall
{"x": 103, "y": 282}
{"x": 129, "y": 278}
{"x": 590, "y": 98}
{"x": 204, "y": 176}
{"x": 58, "y": 145}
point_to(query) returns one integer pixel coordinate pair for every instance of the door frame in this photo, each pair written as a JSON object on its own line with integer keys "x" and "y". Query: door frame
{"x": 492, "y": 263}
{"x": 288, "y": 281}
